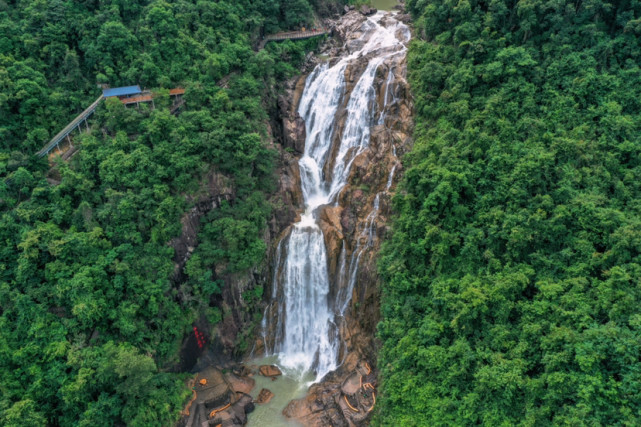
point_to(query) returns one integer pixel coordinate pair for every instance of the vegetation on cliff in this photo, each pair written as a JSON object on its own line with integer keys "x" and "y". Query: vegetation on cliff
{"x": 89, "y": 318}
{"x": 513, "y": 277}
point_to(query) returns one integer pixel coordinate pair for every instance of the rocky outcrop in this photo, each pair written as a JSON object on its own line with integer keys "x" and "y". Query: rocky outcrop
{"x": 218, "y": 398}
{"x": 345, "y": 399}
{"x": 265, "y": 396}
{"x": 289, "y": 133}
{"x": 294, "y": 133}
{"x": 214, "y": 188}
{"x": 366, "y": 10}
{"x": 269, "y": 371}
{"x": 293, "y": 124}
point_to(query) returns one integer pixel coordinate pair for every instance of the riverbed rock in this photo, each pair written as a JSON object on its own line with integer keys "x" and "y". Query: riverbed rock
{"x": 330, "y": 224}
{"x": 264, "y": 396}
{"x": 367, "y": 11}
{"x": 269, "y": 371}
{"x": 240, "y": 383}
{"x": 346, "y": 398}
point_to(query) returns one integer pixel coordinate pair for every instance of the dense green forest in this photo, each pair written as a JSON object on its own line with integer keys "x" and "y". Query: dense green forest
{"x": 513, "y": 277}
{"x": 90, "y": 321}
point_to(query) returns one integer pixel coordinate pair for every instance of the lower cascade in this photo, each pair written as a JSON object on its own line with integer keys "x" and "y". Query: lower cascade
{"x": 343, "y": 102}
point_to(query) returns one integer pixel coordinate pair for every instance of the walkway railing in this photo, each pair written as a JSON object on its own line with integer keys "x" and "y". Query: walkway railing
{"x": 292, "y": 35}
{"x": 69, "y": 128}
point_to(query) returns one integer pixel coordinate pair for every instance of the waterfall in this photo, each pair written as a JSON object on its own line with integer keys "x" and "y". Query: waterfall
{"x": 305, "y": 334}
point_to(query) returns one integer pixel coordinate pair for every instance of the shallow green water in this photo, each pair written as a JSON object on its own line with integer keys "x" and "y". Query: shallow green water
{"x": 384, "y": 4}
{"x": 286, "y": 387}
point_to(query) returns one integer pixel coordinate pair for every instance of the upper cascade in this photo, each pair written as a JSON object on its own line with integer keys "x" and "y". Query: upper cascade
{"x": 325, "y": 93}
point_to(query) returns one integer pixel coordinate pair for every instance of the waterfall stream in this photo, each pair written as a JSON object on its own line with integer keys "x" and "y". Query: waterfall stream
{"x": 305, "y": 332}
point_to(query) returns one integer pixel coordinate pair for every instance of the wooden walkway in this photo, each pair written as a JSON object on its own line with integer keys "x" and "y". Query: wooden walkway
{"x": 75, "y": 123}
{"x": 292, "y": 35}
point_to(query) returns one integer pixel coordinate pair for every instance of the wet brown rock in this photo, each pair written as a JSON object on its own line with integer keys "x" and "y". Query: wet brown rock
{"x": 264, "y": 396}
{"x": 289, "y": 198}
{"x": 330, "y": 224}
{"x": 238, "y": 383}
{"x": 327, "y": 403}
{"x": 366, "y": 10}
{"x": 403, "y": 17}
{"x": 259, "y": 348}
{"x": 294, "y": 133}
{"x": 283, "y": 105}
{"x": 269, "y": 371}
{"x": 318, "y": 409}
{"x": 348, "y": 221}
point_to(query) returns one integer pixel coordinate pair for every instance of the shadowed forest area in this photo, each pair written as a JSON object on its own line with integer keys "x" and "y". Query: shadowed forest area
{"x": 513, "y": 277}
{"x": 90, "y": 322}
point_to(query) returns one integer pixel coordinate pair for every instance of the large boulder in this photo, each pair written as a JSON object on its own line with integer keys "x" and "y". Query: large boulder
{"x": 269, "y": 371}
{"x": 366, "y": 10}
{"x": 264, "y": 396}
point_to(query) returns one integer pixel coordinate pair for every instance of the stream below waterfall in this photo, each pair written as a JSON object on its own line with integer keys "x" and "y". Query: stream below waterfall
{"x": 302, "y": 324}
{"x": 384, "y": 4}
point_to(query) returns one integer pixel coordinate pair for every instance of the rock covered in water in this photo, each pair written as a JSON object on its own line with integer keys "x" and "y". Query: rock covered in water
{"x": 264, "y": 396}
{"x": 269, "y": 371}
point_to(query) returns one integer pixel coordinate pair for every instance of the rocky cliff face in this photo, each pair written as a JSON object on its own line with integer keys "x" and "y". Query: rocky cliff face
{"x": 354, "y": 228}
{"x": 238, "y": 323}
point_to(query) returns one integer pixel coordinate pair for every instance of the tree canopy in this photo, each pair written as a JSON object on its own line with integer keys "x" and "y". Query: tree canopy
{"x": 513, "y": 276}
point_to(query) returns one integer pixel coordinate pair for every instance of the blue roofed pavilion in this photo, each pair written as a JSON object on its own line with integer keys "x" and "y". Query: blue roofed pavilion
{"x": 121, "y": 91}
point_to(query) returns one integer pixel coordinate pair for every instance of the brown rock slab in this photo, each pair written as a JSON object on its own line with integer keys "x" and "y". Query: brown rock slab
{"x": 243, "y": 384}
{"x": 366, "y": 10}
{"x": 294, "y": 133}
{"x": 264, "y": 396}
{"x": 269, "y": 371}
{"x": 352, "y": 384}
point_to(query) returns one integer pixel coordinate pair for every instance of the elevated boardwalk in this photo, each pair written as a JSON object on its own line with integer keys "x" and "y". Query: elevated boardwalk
{"x": 292, "y": 35}
{"x": 127, "y": 95}
{"x": 75, "y": 123}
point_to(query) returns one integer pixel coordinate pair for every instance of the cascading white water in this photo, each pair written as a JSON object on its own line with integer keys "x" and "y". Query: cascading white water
{"x": 305, "y": 336}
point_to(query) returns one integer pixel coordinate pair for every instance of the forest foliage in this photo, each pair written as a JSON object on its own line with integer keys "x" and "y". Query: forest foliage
{"x": 90, "y": 320}
{"x": 513, "y": 278}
